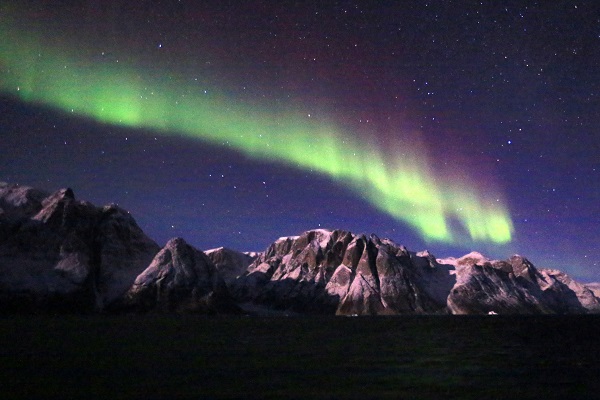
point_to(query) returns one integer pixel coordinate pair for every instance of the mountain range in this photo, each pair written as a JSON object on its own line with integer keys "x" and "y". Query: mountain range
{"x": 63, "y": 255}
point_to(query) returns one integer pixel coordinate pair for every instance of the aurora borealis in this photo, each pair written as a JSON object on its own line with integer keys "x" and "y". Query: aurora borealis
{"x": 402, "y": 186}
{"x": 142, "y": 72}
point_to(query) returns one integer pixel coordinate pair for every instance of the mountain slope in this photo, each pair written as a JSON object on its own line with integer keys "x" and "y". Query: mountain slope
{"x": 339, "y": 272}
{"x": 515, "y": 286}
{"x": 180, "y": 278}
{"x": 58, "y": 253}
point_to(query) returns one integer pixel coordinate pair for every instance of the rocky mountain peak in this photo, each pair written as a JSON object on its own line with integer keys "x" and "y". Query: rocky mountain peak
{"x": 177, "y": 244}
{"x": 59, "y": 195}
{"x": 431, "y": 260}
{"x": 522, "y": 267}
{"x": 337, "y": 271}
{"x": 473, "y": 258}
{"x": 179, "y": 278}
{"x": 341, "y": 272}
{"x": 57, "y": 206}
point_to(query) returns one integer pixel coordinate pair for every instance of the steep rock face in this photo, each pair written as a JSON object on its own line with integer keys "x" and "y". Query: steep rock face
{"x": 338, "y": 272}
{"x": 230, "y": 263}
{"x": 60, "y": 254}
{"x": 389, "y": 279}
{"x": 292, "y": 273}
{"x": 483, "y": 287}
{"x": 182, "y": 279}
{"x": 573, "y": 294}
{"x": 515, "y": 286}
{"x": 363, "y": 296}
{"x": 594, "y": 287}
{"x": 123, "y": 250}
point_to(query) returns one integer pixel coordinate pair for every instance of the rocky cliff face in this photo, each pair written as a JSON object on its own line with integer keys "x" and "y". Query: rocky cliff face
{"x": 574, "y": 294}
{"x": 339, "y": 272}
{"x": 515, "y": 286}
{"x": 179, "y": 279}
{"x": 61, "y": 254}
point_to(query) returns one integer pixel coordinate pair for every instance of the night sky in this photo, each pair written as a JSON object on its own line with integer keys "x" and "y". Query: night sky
{"x": 447, "y": 125}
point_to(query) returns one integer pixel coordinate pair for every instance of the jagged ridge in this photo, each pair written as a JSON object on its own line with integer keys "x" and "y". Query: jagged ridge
{"x": 61, "y": 254}
{"x": 339, "y": 272}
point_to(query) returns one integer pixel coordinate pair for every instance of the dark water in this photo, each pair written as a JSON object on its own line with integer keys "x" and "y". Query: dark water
{"x": 495, "y": 357}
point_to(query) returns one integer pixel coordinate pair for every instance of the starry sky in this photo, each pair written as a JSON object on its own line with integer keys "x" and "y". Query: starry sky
{"x": 447, "y": 125}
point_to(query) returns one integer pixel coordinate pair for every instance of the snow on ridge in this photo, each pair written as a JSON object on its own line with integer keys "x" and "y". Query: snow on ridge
{"x": 423, "y": 253}
{"x": 283, "y": 238}
{"x": 210, "y": 251}
{"x": 321, "y": 231}
{"x": 447, "y": 261}
{"x": 248, "y": 253}
{"x": 477, "y": 257}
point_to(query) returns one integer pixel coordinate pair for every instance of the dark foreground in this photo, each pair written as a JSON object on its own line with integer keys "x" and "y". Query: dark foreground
{"x": 171, "y": 357}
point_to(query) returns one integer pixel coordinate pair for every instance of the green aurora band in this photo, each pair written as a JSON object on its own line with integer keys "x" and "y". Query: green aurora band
{"x": 402, "y": 186}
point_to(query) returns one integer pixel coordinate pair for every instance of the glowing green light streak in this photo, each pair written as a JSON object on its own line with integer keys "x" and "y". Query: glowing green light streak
{"x": 402, "y": 186}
